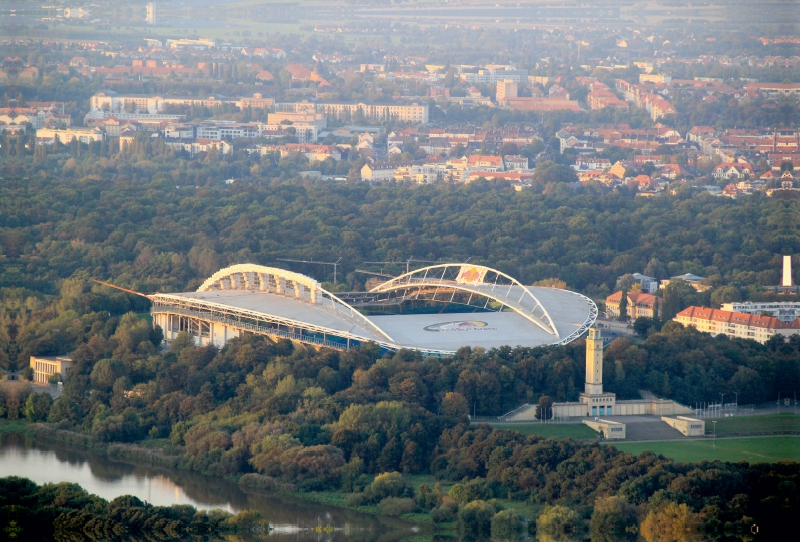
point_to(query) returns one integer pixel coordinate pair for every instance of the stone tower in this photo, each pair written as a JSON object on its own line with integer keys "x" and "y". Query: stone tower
{"x": 594, "y": 363}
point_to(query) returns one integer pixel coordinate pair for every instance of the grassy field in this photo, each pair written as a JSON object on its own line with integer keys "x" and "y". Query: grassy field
{"x": 755, "y": 424}
{"x": 752, "y": 450}
{"x": 566, "y": 430}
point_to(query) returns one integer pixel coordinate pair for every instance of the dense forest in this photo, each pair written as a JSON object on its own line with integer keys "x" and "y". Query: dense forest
{"x": 68, "y": 512}
{"x": 154, "y": 236}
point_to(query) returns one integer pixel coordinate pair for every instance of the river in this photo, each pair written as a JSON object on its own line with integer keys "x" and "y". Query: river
{"x": 291, "y": 518}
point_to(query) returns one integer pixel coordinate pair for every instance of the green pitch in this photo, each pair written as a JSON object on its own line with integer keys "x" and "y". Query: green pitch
{"x": 565, "y": 430}
{"x": 755, "y": 424}
{"x": 752, "y": 450}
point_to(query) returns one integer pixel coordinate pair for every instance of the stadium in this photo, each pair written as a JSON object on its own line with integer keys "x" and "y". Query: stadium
{"x": 434, "y": 310}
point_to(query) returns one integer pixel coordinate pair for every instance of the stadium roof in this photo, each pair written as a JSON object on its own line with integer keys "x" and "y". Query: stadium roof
{"x": 435, "y": 309}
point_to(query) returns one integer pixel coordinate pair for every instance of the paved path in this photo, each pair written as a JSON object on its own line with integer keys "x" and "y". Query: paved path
{"x": 695, "y": 439}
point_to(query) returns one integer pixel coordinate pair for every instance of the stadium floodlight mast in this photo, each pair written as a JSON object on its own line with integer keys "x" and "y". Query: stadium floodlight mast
{"x": 374, "y": 273}
{"x": 714, "y": 445}
{"x": 407, "y": 262}
{"x": 334, "y": 264}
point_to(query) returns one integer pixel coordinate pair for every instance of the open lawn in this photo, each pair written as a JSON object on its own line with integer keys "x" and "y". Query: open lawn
{"x": 755, "y": 424}
{"x": 563, "y": 430}
{"x": 750, "y": 449}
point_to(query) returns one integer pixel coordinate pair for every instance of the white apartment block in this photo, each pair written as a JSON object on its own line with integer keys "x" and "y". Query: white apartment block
{"x": 736, "y": 324}
{"x": 228, "y": 131}
{"x": 785, "y": 311}
{"x": 416, "y": 113}
{"x": 493, "y": 75}
{"x": 112, "y": 103}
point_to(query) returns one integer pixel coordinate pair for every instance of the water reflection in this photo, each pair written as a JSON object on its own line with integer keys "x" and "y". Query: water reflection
{"x": 292, "y": 518}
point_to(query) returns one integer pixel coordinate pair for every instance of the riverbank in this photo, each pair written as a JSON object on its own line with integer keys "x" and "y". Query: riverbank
{"x": 160, "y": 454}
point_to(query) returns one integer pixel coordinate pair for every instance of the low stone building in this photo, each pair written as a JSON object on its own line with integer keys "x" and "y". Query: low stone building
{"x": 45, "y": 367}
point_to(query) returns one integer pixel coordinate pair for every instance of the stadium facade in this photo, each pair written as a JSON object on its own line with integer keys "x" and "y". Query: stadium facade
{"x": 435, "y": 310}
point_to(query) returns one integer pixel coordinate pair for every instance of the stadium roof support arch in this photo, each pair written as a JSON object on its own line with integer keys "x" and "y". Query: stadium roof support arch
{"x": 493, "y": 308}
{"x": 473, "y": 279}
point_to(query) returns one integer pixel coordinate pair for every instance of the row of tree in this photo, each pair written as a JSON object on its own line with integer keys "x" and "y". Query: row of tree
{"x": 68, "y": 512}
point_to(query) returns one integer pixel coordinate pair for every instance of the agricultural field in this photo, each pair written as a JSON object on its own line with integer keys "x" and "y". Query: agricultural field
{"x": 750, "y": 449}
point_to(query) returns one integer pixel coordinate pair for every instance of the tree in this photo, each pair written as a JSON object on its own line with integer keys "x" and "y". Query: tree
{"x": 671, "y": 523}
{"x": 623, "y": 306}
{"x": 625, "y": 282}
{"x": 475, "y": 520}
{"x": 506, "y": 526}
{"x": 106, "y": 372}
{"x": 545, "y": 410}
{"x": 558, "y": 523}
{"x": 677, "y": 296}
{"x": 642, "y": 325}
{"x": 37, "y": 406}
{"x": 655, "y": 269}
{"x": 749, "y": 384}
{"x": 726, "y": 294}
{"x": 613, "y": 520}
{"x": 454, "y": 405}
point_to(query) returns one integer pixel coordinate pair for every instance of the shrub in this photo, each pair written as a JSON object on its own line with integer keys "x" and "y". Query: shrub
{"x": 443, "y": 514}
{"x": 394, "y": 506}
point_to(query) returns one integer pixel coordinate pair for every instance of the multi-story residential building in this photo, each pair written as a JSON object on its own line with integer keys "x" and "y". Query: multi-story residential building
{"x": 179, "y": 131}
{"x": 737, "y": 170}
{"x": 185, "y": 43}
{"x": 416, "y": 113}
{"x": 227, "y": 130}
{"x": 515, "y": 161}
{"x": 640, "y": 305}
{"x": 654, "y": 78}
{"x": 591, "y": 164}
{"x": 737, "y": 324}
{"x": 785, "y": 311}
{"x": 506, "y": 88}
{"x": 491, "y": 75}
{"x": 378, "y": 172}
{"x": 200, "y": 145}
{"x": 67, "y": 135}
{"x": 775, "y": 89}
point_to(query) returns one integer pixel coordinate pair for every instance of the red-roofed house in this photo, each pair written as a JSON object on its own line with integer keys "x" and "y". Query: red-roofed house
{"x": 486, "y": 163}
{"x": 265, "y": 76}
{"x": 736, "y": 324}
{"x": 299, "y": 72}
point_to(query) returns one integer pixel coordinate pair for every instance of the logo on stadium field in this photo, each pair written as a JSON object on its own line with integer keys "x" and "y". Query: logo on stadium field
{"x": 460, "y": 325}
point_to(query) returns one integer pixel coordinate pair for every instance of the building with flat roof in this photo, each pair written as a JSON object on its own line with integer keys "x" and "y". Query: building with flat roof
{"x": 46, "y": 366}
{"x": 785, "y": 311}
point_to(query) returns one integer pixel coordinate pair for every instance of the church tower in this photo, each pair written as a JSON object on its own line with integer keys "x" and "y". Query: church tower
{"x": 594, "y": 363}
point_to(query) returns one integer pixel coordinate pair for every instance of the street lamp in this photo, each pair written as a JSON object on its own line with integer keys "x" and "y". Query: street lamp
{"x": 721, "y": 403}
